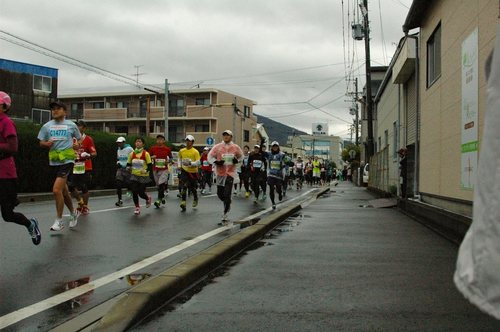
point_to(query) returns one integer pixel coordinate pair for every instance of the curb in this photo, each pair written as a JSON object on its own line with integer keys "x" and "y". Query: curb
{"x": 147, "y": 297}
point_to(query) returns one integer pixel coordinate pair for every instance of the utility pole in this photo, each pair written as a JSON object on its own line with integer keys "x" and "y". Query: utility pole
{"x": 369, "y": 102}
{"x": 356, "y": 126}
{"x": 166, "y": 110}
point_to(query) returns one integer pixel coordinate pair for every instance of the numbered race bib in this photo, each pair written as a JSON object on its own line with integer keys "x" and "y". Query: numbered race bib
{"x": 298, "y": 166}
{"x": 160, "y": 163}
{"x": 79, "y": 168}
{"x": 58, "y": 132}
{"x": 206, "y": 163}
{"x": 275, "y": 164}
{"x": 228, "y": 158}
{"x": 257, "y": 163}
{"x": 137, "y": 164}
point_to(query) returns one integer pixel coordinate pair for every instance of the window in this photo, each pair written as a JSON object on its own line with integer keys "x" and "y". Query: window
{"x": 202, "y": 101}
{"x": 247, "y": 111}
{"x": 201, "y": 128}
{"x": 40, "y": 116}
{"x": 176, "y": 108}
{"x": 395, "y": 140}
{"x": 42, "y": 83}
{"x": 434, "y": 56}
{"x": 98, "y": 105}
{"x": 175, "y": 134}
{"x": 386, "y": 136}
{"x": 246, "y": 135}
{"x": 122, "y": 104}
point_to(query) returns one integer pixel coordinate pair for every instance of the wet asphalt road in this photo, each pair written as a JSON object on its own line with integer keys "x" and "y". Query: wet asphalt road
{"x": 336, "y": 266}
{"x": 100, "y": 250}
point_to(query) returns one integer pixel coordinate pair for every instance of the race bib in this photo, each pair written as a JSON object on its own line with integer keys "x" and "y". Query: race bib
{"x": 58, "y": 132}
{"x": 206, "y": 163}
{"x": 160, "y": 163}
{"x": 228, "y": 158}
{"x": 257, "y": 163}
{"x": 79, "y": 168}
{"x": 275, "y": 164}
{"x": 137, "y": 164}
{"x": 298, "y": 166}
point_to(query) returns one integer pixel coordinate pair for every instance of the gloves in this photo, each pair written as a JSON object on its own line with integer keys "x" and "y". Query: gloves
{"x": 85, "y": 155}
{"x": 235, "y": 160}
{"x": 219, "y": 162}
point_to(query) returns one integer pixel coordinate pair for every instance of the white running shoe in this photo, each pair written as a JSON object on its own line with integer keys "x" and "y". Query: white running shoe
{"x": 73, "y": 219}
{"x": 58, "y": 225}
{"x": 224, "y": 217}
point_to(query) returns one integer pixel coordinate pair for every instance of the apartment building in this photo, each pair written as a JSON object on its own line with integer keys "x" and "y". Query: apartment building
{"x": 203, "y": 113}
{"x": 431, "y": 102}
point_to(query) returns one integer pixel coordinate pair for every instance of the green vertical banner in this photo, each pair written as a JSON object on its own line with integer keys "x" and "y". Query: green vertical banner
{"x": 470, "y": 96}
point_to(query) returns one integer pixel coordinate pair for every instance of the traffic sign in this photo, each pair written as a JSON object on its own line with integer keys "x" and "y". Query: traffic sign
{"x": 210, "y": 141}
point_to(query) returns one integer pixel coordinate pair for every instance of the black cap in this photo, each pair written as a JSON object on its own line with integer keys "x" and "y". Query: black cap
{"x": 160, "y": 136}
{"x": 57, "y": 103}
{"x": 81, "y": 123}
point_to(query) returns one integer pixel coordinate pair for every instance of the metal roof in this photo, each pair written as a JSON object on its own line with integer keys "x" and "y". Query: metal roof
{"x": 417, "y": 11}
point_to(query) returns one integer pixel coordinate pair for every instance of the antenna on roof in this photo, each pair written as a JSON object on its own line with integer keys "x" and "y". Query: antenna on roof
{"x": 138, "y": 74}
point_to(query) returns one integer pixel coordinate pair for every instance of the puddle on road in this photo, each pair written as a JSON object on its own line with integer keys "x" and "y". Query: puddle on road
{"x": 224, "y": 270}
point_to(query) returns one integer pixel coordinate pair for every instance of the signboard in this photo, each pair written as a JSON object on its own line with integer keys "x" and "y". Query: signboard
{"x": 470, "y": 103}
{"x": 320, "y": 129}
{"x": 210, "y": 141}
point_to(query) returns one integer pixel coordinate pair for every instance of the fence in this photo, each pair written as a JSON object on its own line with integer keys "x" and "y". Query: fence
{"x": 379, "y": 170}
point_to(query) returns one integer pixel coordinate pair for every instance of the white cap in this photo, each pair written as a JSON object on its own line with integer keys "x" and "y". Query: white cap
{"x": 257, "y": 146}
{"x": 189, "y": 138}
{"x": 275, "y": 143}
{"x": 206, "y": 148}
{"x": 121, "y": 139}
{"x": 227, "y": 131}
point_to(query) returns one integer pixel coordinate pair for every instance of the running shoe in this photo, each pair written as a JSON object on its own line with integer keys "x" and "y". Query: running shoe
{"x": 163, "y": 201}
{"x": 255, "y": 200}
{"x": 203, "y": 192}
{"x": 235, "y": 192}
{"x": 119, "y": 203}
{"x": 264, "y": 196}
{"x": 36, "y": 236}
{"x": 73, "y": 219}
{"x": 148, "y": 202}
{"x": 195, "y": 203}
{"x": 80, "y": 207}
{"x": 274, "y": 206}
{"x": 247, "y": 194}
{"x": 224, "y": 217}
{"x": 129, "y": 194}
{"x": 183, "y": 205}
{"x": 137, "y": 210}
{"x": 58, "y": 225}
{"x": 157, "y": 204}
{"x": 84, "y": 210}
{"x": 210, "y": 191}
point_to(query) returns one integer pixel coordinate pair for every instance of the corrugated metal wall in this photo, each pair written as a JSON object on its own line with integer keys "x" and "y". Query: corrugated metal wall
{"x": 411, "y": 111}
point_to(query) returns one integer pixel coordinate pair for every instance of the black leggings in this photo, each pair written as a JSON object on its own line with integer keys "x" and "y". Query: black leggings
{"x": 138, "y": 190}
{"x": 224, "y": 193}
{"x": 9, "y": 215}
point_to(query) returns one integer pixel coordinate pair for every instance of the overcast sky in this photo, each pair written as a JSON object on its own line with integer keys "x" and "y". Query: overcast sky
{"x": 294, "y": 58}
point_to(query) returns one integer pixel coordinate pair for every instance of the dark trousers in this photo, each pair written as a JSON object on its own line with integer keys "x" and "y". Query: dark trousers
{"x": 224, "y": 193}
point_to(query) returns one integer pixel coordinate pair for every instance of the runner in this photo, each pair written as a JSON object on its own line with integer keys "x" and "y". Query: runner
{"x": 161, "y": 156}
{"x": 8, "y": 173}
{"x": 206, "y": 171}
{"x": 309, "y": 168}
{"x": 316, "y": 172}
{"x": 286, "y": 171}
{"x": 256, "y": 163}
{"x": 263, "y": 175}
{"x": 245, "y": 171}
{"x": 276, "y": 164}
{"x": 299, "y": 172}
{"x": 225, "y": 156}
{"x": 140, "y": 164}
{"x": 60, "y": 136}
{"x": 189, "y": 160}
{"x": 82, "y": 172}
{"x": 122, "y": 173}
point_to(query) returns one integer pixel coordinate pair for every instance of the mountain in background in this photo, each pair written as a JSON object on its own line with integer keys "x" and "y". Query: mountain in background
{"x": 278, "y": 131}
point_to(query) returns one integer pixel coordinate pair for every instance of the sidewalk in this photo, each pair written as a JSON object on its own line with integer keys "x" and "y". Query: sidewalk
{"x": 336, "y": 265}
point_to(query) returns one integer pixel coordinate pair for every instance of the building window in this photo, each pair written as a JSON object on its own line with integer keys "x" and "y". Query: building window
{"x": 40, "y": 116}
{"x": 395, "y": 140}
{"x": 203, "y": 101}
{"x": 247, "y": 111}
{"x": 42, "y": 83}
{"x": 246, "y": 135}
{"x": 76, "y": 111}
{"x": 176, "y": 107}
{"x": 434, "y": 56}
{"x": 386, "y": 137}
{"x": 98, "y": 105}
{"x": 201, "y": 128}
{"x": 175, "y": 134}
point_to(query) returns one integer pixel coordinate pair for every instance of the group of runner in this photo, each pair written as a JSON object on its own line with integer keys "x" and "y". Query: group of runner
{"x": 70, "y": 157}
